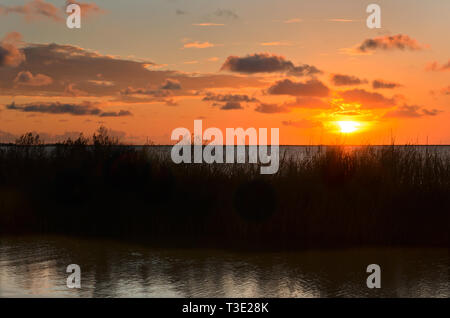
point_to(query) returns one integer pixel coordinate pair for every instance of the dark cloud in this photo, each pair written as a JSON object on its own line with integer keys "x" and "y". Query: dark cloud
{"x": 367, "y": 99}
{"x": 147, "y": 95}
{"x": 145, "y": 91}
{"x": 411, "y": 111}
{"x": 83, "y": 109}
{"x": 171, "y": 85}
{"x": 27, "y": 78}
{"x": 377, "y": 84}
{"x": 180, "y": 12}
{"x": 271, "y": 108}
{"x": 229, "y": 98}
{"x": 346, "y": 80}
{"x": 266, "y": 63}
{"x": 121, "y": 113}
{"x": 10, "y": 54}
{"x": 231, "y": 105}
{"x": 311, "y": 87}
{"x": 389, "y": 42}
{"x": 228, "y": 101}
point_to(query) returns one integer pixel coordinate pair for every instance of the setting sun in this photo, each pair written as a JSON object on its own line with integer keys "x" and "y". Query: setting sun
{"x": 348, "y": 126}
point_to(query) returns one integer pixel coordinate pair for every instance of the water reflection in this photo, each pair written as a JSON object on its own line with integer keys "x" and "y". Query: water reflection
{"x": 35, "y": 266}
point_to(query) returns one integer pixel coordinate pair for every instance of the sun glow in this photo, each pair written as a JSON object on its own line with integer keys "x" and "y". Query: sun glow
{"x": 348, "y": 126}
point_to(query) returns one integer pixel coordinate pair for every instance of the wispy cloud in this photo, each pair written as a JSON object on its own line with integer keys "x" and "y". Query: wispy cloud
{"x": 229, "y": 101}
{"x": 341, "y": 20}
{"x": 83, "y": 109}
{"x": 35, "y": 9}
{"x": 294, "y": 20}
{"x": 276, "y": 43}
{"x": 377, "y": 84}
{"x": 206, "y": 24}
{"x": 411, "y": 111}
{"x": 367, "y": 99}
{"x": 436, "y": 67}
{"x": 198, "y": 45}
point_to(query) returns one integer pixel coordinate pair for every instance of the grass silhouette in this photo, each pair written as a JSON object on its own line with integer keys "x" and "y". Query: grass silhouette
{"x": 95, "y": 187}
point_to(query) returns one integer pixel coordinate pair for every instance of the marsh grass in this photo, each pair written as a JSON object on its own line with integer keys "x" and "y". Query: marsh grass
{"x": 392, "y": 195}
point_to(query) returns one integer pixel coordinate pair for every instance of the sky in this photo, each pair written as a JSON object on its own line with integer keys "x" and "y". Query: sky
{"x": 313, "y": 69}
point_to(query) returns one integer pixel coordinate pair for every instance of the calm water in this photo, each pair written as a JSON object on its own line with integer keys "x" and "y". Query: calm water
{"x": 35, "y": 267}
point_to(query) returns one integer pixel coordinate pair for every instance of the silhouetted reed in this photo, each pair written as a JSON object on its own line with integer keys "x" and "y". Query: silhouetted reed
{"x": 391, "y": 195}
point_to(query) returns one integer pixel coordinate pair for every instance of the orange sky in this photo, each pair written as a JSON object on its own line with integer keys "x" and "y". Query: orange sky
{"x": 311, "y": 69}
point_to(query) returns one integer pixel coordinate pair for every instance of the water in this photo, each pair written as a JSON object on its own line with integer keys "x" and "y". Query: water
{"x": 35, "y": 267}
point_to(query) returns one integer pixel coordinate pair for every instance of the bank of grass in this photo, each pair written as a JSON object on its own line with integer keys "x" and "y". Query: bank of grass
{"x": 335, "y": 197}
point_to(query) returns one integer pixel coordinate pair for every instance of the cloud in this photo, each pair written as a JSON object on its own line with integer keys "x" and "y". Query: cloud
{"x": 228, "y": 101}
{"x": 436, "y": 67}
{"x": 171, "y": 85}
{"x": 377, "y": 84}
{"x": 145, "y": 91}
{"x": 198, "y": 45}
{"x": 70, "y": 90}
{"x": 180, "y": 12}
{"x": 10, "y": 54}
{"x": 67, "y": 64}
{"x": 86, "y": 8}
{"x": 302, "y": 123}
{"x": 411, "y": 111}
{"x": 367, "y": 99}
{"x": 345, "y": 80}
{"x": 205, "y": 24}
{"x": 226, "y": 13}
{"x": 121, "y": 113}
{"x": 35, "y": 9}
{"x": 27, "y": 78}
{"x": 276, "y": 43}
{"x": 266, "y": 63}
{"x": 83, "y": 109}
{"x": 295, "y": 20}
{"x": 271, "y": 108}
{"x": 311, "y": 87}
{"x": 307, "y": 102}
{"x": 386, "y": 43}
{"x": 101, "y": 83}
{"x": 231, "y": 106}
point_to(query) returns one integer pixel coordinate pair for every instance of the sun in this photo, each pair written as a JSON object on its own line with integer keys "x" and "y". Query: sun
{"x": 348, "y": 126}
